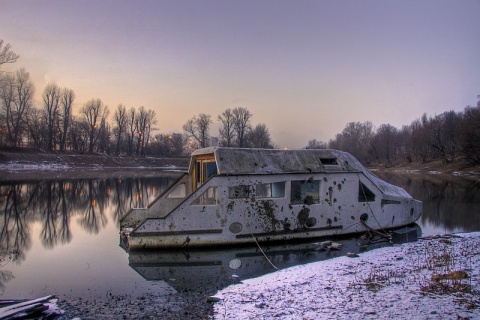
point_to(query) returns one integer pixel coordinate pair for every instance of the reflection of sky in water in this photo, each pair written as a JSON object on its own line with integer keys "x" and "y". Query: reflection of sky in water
{"x": 430, "y": 229}
{"x": 90, "y": 265}
{"x": 90, "y": 262}
{"x": 450, "y": 204}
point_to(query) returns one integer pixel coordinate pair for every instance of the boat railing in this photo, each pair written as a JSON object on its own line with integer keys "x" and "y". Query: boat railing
{"x": 159, "y": 207}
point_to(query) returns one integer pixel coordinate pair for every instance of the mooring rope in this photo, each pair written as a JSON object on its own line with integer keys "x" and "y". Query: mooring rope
{"x": 258, "y": 245}
{"x": 384, "y": 234}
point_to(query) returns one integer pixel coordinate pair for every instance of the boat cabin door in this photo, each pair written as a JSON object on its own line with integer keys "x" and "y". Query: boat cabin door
{"x": 205, "y": 167}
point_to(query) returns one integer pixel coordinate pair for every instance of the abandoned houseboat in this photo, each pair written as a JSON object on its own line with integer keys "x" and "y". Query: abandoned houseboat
{"x": 236, "y": 196}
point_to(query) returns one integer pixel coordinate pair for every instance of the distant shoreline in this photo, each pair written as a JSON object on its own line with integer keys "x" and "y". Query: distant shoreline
{"x": 37, "y": 165}
{"x": 21, "y": 164}
{"x": 459, "y": 168}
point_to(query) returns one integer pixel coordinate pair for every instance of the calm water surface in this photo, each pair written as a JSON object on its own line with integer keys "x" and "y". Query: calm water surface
{"x": 62, "y": 237}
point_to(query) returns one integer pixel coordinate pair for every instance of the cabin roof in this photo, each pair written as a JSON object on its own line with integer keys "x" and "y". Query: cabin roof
{"x": 246, "y": 161}
{"x": 239, "y": 161}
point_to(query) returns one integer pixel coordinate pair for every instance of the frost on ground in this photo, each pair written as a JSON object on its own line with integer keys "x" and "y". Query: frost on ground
{"x": 438, "y": 278}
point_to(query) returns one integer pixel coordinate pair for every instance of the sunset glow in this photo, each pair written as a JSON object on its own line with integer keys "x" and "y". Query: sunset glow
{"x": 305, "y": 69}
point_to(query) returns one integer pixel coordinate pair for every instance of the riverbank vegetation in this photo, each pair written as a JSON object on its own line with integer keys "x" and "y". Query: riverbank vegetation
{"x": 451, "y": 137}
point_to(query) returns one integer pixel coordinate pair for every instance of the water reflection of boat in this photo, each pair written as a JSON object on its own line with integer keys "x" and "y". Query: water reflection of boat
{"x": 212, "y": 269}
{"x": 234, "y": 196}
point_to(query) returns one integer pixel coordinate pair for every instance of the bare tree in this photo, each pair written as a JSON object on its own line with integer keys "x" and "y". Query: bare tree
{"x": 132, "y": 129}
{"x": 226, "y": 131}
{"x": 315, "y": 144}
{"x": 151, "y": 120}
{"x": 7, "y": 55}
{"x": 7, "y": 96}
{"x": 66, "y": 100}
{"x": 51, "y": 103}
{"x": 241, "y": 124}
{"x": 197, "y": 128}
{"x": 16, "y": 94}
{"x": 420, "y": 146}
{"x": 169, "y": 144}
{"x": 259, "y": 137}
{"x": 471, "y": 134}
{"x": 103, "y": 142}
{"x": 35, "y": 125}
{"x": 445, "y": 138}
{"x": 121, "y": 119}
{"x": 145, "y": 120}
{"x": 356, "y": 139}
{"x": 386, "y": 143}
{"x": 94, "y": 113}
{"x": 78, "y": 134}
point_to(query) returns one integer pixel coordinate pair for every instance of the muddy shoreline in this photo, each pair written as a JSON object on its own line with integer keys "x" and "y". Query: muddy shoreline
{"x": 181, "y": 305}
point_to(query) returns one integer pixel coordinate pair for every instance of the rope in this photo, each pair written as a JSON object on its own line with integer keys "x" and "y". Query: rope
{"x": 258, "y": 245}
{"x": 385, "y": 234}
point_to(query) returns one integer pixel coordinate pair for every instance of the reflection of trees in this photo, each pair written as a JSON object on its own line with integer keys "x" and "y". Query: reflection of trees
{"x": 448, "y": 202}
{"x": 136, "y": 193}
{"x": 49, "y": 215}
{"x": 94, "y": 218}
{"x": 14, "y": 227}
{"x": 65, "y": 234}
{"x": 53, "y": 203}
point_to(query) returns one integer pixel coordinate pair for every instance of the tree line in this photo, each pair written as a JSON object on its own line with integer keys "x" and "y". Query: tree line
{"x": 235, "y": 130}
{"x": 450, "y": 136}
{"x": 53, "y": 126}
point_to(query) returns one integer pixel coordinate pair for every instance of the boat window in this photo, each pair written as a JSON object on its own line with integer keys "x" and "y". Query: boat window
{"x": 204, "y": 169}
{"x": 209, "y": 197}
{"x": 305, "y": 192}
{"x": 271, "y": 190}
{"x": 365, "y": 194}
{"x": 388, "y": 201}
{"x": 179, "y": 191}
{"x": 239, "y": 192}
{"x": 211, "y": 169}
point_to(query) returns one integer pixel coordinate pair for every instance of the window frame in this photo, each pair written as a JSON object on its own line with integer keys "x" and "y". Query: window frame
{"x": 271, "y": 191}
{"x": 305, "y": 192}
{"x": 204, "y": 199}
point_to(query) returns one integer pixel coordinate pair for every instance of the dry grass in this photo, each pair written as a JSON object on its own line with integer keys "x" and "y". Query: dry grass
{"x": 447, "y": 276}
{"x": 444, "y": 268}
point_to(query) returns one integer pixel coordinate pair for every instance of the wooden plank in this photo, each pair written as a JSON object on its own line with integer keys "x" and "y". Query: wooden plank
{"x": 22, "y": 306}
{"x": 31, "y": 308}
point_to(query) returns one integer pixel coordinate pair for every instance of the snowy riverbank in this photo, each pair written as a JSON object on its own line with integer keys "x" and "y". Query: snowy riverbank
{"x": 436, "y": 278}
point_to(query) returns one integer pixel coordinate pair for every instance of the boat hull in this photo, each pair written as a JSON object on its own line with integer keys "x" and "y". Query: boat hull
{"x": 251, "y": 219}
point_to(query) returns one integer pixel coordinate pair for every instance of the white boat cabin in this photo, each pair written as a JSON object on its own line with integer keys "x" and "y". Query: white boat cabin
{"x": 236, "y": 196}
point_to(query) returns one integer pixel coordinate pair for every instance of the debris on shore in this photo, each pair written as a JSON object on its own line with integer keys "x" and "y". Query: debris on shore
{"x": 41, "y": 308}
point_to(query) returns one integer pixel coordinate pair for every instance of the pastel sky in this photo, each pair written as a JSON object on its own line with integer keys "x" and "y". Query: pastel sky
{"x": 304, "y": 68}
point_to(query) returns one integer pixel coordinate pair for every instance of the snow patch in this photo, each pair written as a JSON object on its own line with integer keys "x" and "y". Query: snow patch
{"x": 14, "y": 166}
{"x": 383, "y": 283}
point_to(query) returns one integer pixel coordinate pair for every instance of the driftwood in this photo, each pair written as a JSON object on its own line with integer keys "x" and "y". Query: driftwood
{"x": 22, "y": 309}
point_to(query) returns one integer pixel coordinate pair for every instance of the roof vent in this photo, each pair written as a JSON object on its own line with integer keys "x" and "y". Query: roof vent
{"x": 329, "y": 161}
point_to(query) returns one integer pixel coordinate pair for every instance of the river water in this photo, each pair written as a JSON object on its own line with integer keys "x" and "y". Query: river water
{"x": 62, "y": 237}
